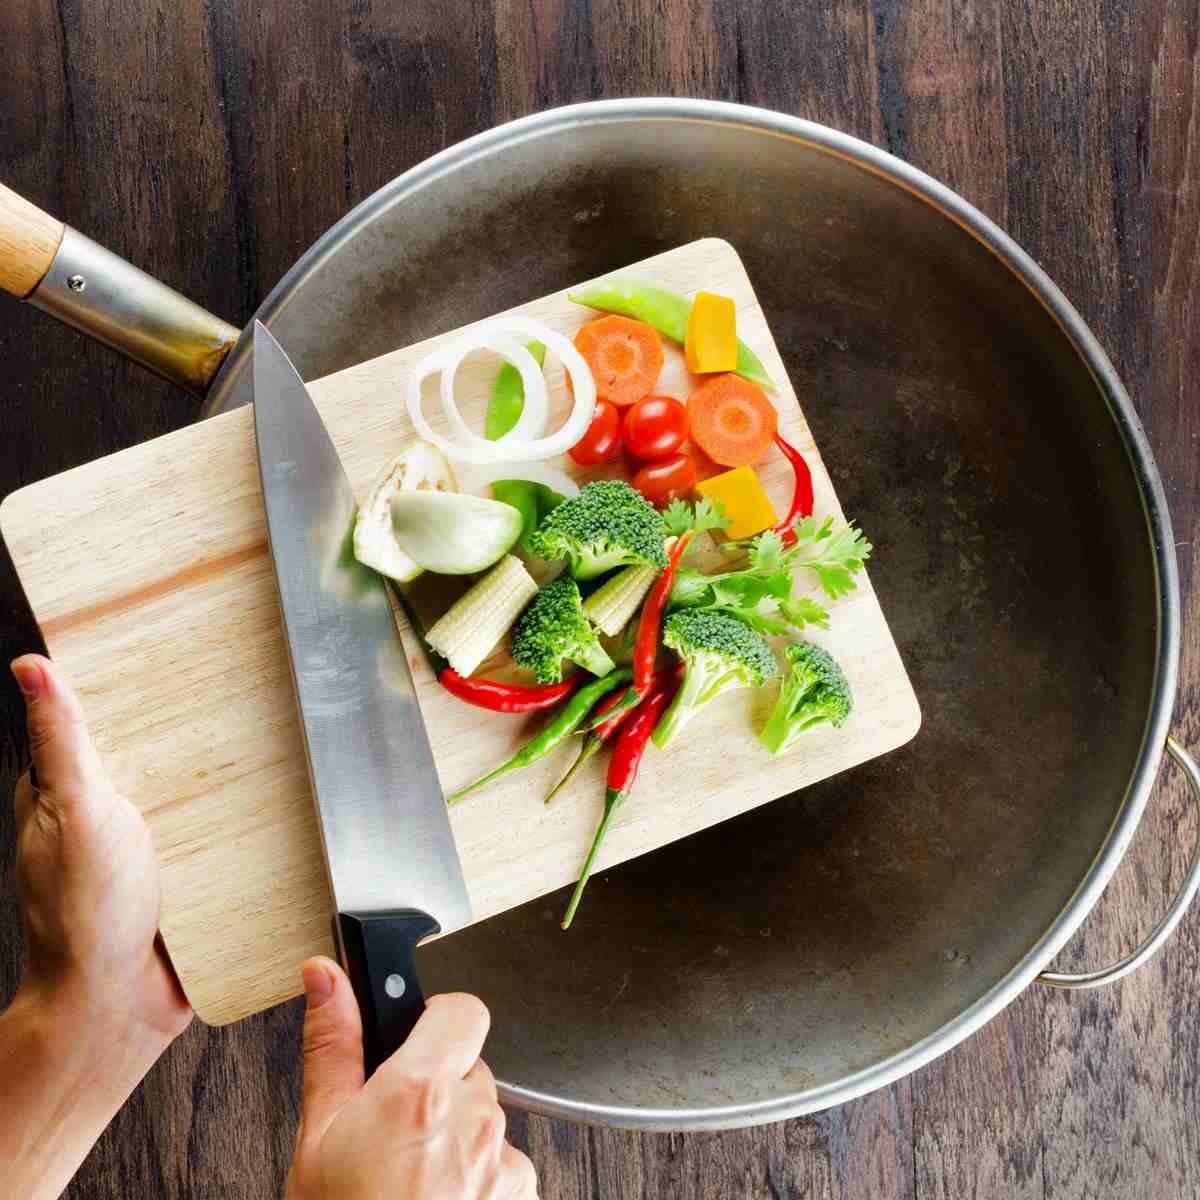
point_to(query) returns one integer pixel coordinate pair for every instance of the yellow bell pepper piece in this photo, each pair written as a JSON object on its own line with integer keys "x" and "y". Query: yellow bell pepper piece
{"x": 710, "y": 343}
{"x": 747, "y": 506}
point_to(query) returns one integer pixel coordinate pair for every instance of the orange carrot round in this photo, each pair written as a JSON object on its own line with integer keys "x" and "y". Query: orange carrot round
{"x": 624, "y": 356}
{"x": 732, "y": 420}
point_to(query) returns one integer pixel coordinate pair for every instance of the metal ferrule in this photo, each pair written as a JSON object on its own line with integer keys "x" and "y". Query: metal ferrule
{"x": 109, "y": 299}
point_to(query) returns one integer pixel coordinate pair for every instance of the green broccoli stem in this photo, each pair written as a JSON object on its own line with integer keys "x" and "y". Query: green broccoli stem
{"x": 592, "y": 656}
{"x": 586, "y": 565}
{"x": 779, "y": 731}
{"x": 697, "y": 683}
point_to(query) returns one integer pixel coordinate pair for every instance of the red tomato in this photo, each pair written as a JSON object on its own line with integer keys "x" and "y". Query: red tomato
{"x": 663, "y": 481}
{"x": 655, "y": 427}
{"x": 602, "y": 439}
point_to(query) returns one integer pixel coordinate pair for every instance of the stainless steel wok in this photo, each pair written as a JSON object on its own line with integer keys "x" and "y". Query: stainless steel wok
{"x": 840, "y": 938}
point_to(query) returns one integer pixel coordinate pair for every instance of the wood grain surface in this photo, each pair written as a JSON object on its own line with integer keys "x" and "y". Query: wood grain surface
{"x": 29, "y": 240}
{"x": 211, "y": 141}
{"x": 186, "y": 596}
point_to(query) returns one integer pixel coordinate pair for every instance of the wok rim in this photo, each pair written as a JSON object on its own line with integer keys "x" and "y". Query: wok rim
{"x": 953, "y": 207}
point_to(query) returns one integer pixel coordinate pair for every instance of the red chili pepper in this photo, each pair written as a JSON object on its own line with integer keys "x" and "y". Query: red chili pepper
{"x": 622, "y": 773}
{"x": 645, "y": 649}
{"x": 631, "y": 744}
{"x": 507, "y": 697}
{"x": 802, "y": 493}
{"x": 600, "y": 734}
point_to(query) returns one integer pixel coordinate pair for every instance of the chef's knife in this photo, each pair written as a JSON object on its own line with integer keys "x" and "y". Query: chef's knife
{"x": 389, "y": 851}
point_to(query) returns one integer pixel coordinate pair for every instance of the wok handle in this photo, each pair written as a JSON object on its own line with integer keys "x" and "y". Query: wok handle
{"x": 1166, "y": 926}
{"x": 57, "y": 269}
{"x": 29, "y": 240}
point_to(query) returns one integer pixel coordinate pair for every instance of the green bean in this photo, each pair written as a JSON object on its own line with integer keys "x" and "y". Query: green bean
{"x": 508, "y": 396}
{"x": 666, "y": 311}
{"x": 559, "y": 730}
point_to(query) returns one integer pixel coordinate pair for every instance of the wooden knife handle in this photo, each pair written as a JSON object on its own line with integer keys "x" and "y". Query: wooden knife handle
{"x": 379, "y": 951}
{"x": 29, "y": 240}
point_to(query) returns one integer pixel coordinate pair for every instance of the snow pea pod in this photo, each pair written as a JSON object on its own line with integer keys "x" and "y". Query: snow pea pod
{"x": 666, "y": 311}
{"x": 508, "y": 396}
{"x": 531, "y": 499}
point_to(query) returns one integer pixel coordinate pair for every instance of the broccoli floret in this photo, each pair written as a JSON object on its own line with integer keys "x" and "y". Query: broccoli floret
{"x": 554, "y": 627}
{"x": 607, "y": 525}
{"x": 719, "y": 653}
{"x": 814, "y": 692}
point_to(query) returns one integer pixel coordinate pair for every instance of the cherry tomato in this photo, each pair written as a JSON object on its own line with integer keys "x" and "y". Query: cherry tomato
{"x": 655, "y": 427}
{"x": 601, "y": 440}
{"x": 663, "y": 481}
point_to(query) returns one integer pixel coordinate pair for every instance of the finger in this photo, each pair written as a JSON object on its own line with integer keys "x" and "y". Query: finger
{"x": 519, "y": 1176}
{"x": 446, "y": 1041}
{"x": 67, "y": 765}
{"x": 481, "y": 1080}
{"x": 333, "y": 1054}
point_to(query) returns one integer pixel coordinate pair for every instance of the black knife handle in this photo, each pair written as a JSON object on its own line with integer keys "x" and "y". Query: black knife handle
{"x": 379, "y": 950}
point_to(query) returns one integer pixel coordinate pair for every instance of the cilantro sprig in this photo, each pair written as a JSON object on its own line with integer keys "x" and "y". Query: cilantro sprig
{"x": 762, "y": 593}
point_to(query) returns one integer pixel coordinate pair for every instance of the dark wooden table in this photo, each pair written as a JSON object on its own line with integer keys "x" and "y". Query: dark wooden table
{"x": 211, "y": 141}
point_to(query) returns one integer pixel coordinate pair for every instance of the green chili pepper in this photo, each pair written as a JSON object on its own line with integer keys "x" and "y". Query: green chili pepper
{"x": 630, "y": 699}
{"x": 666, "y": 311}
{"x": 508, "y": 396}
{"x": 565, "y": 722}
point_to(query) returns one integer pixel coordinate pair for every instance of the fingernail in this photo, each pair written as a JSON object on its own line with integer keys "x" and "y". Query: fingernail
{"x": 318, "y": 984}
{"x": 29, "y": 677}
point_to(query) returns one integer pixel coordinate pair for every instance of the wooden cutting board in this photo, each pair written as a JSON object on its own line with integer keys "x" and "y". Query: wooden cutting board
{"x": 150, "y": 576}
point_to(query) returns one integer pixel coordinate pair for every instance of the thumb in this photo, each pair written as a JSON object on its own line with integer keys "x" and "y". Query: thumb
{"x": 65, "y": 762}
{"x": 333, "y": 1052}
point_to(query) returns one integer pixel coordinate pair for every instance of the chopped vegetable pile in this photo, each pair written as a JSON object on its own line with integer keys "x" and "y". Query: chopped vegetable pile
{"x": 654, "y": 638}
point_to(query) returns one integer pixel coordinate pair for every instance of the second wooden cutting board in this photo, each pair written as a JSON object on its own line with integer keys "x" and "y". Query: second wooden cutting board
{"x": 150, "y": 576}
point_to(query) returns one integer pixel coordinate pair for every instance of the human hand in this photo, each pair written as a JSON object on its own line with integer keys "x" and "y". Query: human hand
{"x": 425, "y": 1126}
{"x": 98, "y": 1001}
{"x": 87, "y": 878}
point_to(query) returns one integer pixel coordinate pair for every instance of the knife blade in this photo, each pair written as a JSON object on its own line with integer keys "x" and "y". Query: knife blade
{"x": 392, "y": 865}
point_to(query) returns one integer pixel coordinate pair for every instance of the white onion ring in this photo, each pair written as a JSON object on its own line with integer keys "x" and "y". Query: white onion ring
{"x": 532, "y": 421}
{"x": 468, "y": 446}
{"x": 553, "y": 477}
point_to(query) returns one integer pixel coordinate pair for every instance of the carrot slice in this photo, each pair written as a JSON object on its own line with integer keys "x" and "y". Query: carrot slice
{"x": 625, "y": 358}
{"x": 733, "y": 422}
